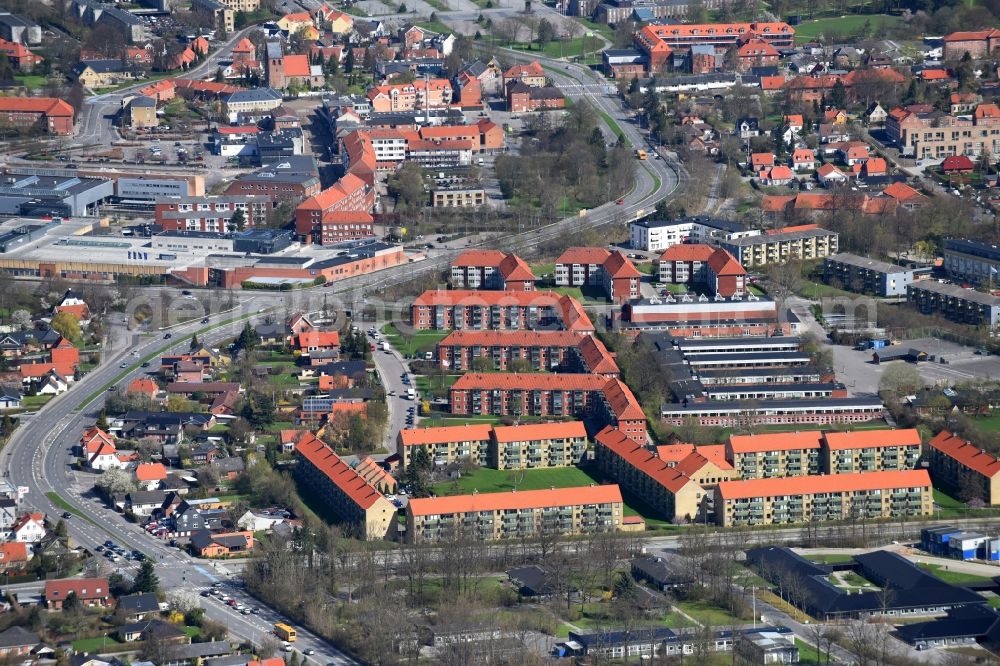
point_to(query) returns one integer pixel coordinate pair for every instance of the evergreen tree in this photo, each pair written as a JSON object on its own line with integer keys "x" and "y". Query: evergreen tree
{"x": 194, "y": 342}
{"x": 146, "y": 580}
{"x": 349, "y": 61}
{"x": 102, "y": 419}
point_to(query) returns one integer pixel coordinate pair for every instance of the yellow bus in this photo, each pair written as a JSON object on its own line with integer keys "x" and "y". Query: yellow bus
{"x": 284, "y": 632}
{"x": 641, "y": 154}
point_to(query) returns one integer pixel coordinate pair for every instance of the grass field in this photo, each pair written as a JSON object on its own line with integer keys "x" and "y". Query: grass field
{"x": 989, "y": 423}
{"x": 31, "y": 81}
{"x": 94, "y": 645}
{"x": 946, "y": 501}
{"x": 808, "y": 655}
{"x": 486, "y": 480}
{"x": 953, "y": 577}
{"x": 707, "y": 614}
{"x": 413, "y": 344}
{"x": 829, "y": 558}
{"x": 843, "y": 25}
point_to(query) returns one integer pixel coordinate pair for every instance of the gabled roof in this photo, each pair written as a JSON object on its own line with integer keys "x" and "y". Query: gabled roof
{"x": 337, "y": 471}
{"x": 84, "y": 588}
{"x": 688, "y": 252}
{"x": 445, "y": 434}
{"x": 831, "y": 483}
{"x": 516, "y": 500}
{"x": 617, "y": 265}
{"x": 150, "y": 472}
{"x": 50, "y": 106}
{"x": 902, "y": 192}
{"x": 782, "y": 441}
{"x": 642, "y": 459}
{"x": 966, "y": 453}
{"x": 723, "y": 263}
{"x": 864, "y": 439}
{"x": 583, "y": 255}
{"x": 540, "y": 431}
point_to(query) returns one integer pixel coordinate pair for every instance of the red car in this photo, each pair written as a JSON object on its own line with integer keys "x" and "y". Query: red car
{"x": 620, "y": 202}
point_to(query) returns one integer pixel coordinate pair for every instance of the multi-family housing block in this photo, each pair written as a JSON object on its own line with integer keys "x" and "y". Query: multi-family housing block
{"x": 607, "y": 401}
{"x": 597, "y": 266}
{"x": 667, "y": 488}
{"x": 703, "y": 264}
{"x": 959, "y": 465}
{"x": 45, "y": 114}
{"x": 210, "y": 213}
{"x": 932, "y": 134}
{"x": 660, "y": 43}
{"x": 355, "y": 500}
{"x": 658, "y": 235}
{"x": 954, "y": 302}
{"x": 440, "y": 310}
{"x": 872, "y": 495}
{"x": 783, "y": 245}
{"x": 491, "y": 269}
{"x": 866, "y": 275}
{"x": 870, "y": 450}
{"x": 558, "y": 444}
{"x": 778, "y": 454}
{"x": 543, "y": 350}
{"x": 973, "y": 261}
{"x": 518, "y": 514}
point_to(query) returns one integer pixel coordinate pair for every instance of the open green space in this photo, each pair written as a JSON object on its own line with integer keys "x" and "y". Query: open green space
{"x": 808, "y": 655}
{"x": 708, "y": 614}
{"x": 953, "y": 577}
{"x": 486, "y": 480}
{"x": 63, "y": 504}
{"x": 989, "y": 423}
{"x": 587, "y": 294}
{"x": 813, "y": 289}
{"x": 95, "y": 644}
{"x": 412, "y": 343}
{"x": 433, "y": 26}
{"x": 829, "y": 558}
{"x": 946, "y": 501}
{"x": 31, "y": 81}
{"x": 35, "y": 401}
{"x": 842, "y": 25}
{"x": 543, "y": 269}
{"x": 993, "y": 602}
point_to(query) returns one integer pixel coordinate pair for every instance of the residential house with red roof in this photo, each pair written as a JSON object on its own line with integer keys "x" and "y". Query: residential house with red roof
{"x": 74, "y": 305}
{"x": 829, "y": 175}
{"x": 420, "y": 94}
{"x": 28, "y": 529}
{"x": 531, "y": 75}
{"x": 906, "y": 196}
{"x": 640, "y": 473}
{"x": 313, "y": 341}
{"x": 491, "y": 269}
{"x": 957, "y": 464}
{"x": 756, "y": 53}
{"x": 760, "y": 161}
{"x": 19, "y": 57}
{"x": 875, "y": 167}
{"x": 561, "y": 511}
{"x": 775, "y": 176}
{"x": 90, "y": 592}
{"x": 957, "y": 164}
{"x": 345, "y": 492}
{"x": 14, "y": 558}
{"x": 803, "y": 159}
{"x": 149, "y": 476}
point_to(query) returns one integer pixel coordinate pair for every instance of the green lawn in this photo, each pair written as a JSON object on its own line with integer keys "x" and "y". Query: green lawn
{"x": 953, "y": 577}
{"x": 812, "y": 289}
{"x": 843, "y": 25}
{"x": 437, "y": 385}
{"x": 989, "y": 423}
{"x": 830, "y": 558}
{"x": 543, "y": 269}
{"x": 993, "y": 602}
{"x": 590, "y": 293}
{"x": 415, "y": 343}
{"x": 35, "y": 401}
{"x": 808, "y": 655}
{"x": 62, "y": 504}
{"x": 486, "y": 480}
{"x": 31, "y": 81}
{"x": 95, "y": 644}
{"x": 946, "y": 501}
{"x": 707, "y": 614}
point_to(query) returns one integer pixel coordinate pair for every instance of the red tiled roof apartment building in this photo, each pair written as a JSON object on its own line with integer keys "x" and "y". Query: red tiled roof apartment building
{"x": 872, "y": 495}
{"x": 491, "y": 269}
{"x": 542, "y": 350}
{"x": 355, "y": 500}
{"x": 340, "y": 212}
{"x": 958, "y": 464}
{"x": 978, "y": 44}
{"x": 439, "y": 310}
{"x": 658, "y": 42}
{"x": 517, "y": 514}
{"x": 597, "y": 266}
{"x": 558, "y": 444}
{"x": 607, "y": 401}
{"x": 703, "y": 264}
{"x": 668, "y": 490}
{"x": 49, "y": 114}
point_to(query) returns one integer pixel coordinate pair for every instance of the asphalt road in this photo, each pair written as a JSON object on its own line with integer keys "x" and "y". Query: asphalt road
{"x": 39, "y": 457}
